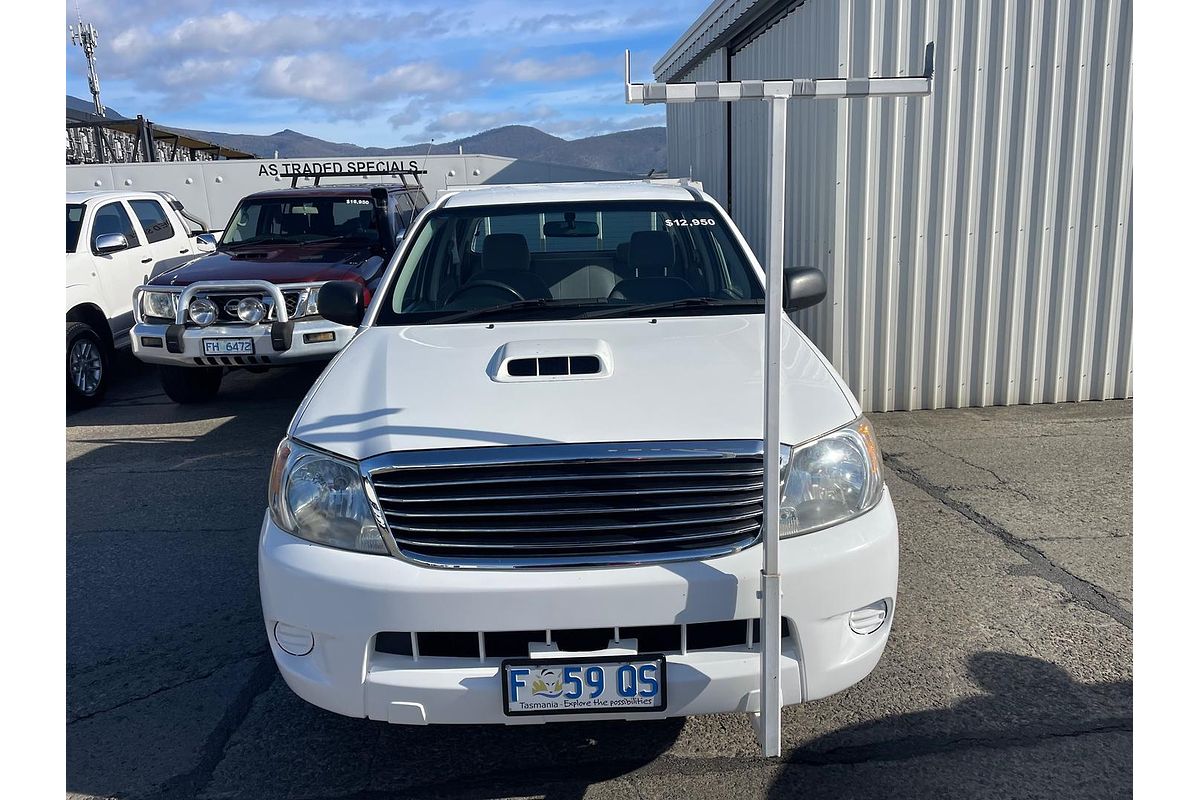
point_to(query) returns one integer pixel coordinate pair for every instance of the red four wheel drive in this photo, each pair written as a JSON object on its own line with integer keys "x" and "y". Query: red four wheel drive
{"x": 252, "y": 304}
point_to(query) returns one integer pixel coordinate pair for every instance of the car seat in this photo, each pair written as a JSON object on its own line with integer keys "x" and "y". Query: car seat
{"x": 505, "y": 260}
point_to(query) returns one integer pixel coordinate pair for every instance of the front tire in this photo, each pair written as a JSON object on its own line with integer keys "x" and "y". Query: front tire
{"x": 191, "y": 384}
{"x": 87, "y": 366}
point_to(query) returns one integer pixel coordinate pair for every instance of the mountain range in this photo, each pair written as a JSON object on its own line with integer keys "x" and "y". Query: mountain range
{"x": 636, "y": 152}
{"x": 633, "y": 152}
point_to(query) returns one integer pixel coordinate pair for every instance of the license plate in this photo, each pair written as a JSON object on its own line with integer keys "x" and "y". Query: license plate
{"x": 584, "y": 685}
{"x": 228, "y": 347}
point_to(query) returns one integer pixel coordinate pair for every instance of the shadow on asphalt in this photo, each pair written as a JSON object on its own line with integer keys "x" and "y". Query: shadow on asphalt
{"x": 136, "y": 398}
{"x": 1026, "y": 703}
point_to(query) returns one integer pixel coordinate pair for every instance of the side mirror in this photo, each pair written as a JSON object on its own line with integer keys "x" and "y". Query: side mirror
{"x": 109, "y": 243}
{"x": 802, "y": 287}
{"x": 207, "y": 241}
{"x": 342, "y": 302}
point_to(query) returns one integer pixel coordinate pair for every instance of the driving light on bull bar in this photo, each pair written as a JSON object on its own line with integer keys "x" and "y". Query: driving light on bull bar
{"x": 203, "y": 311}
{"x": 320, "y": 498}
{"x": 830, "y": 480}
{"x": 251, "y": 310}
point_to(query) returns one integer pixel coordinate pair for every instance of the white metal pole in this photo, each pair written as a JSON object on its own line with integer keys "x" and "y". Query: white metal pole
{"x": 768, "y": 720}
{"x": 770, "y": 635}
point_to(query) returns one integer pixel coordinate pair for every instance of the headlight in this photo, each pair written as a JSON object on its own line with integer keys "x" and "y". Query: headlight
{"x": 310, "y": 304}
{"x": 322, "y": 499}
{"x": 159, "y": 304}
{"x": 831, "y": 480}
{"x": 202, "y": 311}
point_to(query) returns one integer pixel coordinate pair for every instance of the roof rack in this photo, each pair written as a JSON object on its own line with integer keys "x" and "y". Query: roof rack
{"x": 401, "y": 174}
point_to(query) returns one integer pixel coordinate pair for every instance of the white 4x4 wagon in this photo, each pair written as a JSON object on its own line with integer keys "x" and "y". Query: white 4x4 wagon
{"x": 115, "y": 239}
{"x": 531, "y": 487}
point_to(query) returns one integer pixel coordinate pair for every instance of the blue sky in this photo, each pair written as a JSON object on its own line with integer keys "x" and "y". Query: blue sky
{"x": 378, "y": 73}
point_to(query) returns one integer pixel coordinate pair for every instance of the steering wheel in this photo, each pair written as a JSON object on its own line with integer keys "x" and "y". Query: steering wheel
{"x": 483, "y": 284}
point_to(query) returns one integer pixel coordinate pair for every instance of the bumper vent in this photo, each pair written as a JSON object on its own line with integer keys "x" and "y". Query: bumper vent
{"x": 668, "y": 639}
{"x": 574, "y": 504}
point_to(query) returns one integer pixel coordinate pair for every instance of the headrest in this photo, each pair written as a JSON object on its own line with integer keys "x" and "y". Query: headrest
{"x": 505, "y": 251}
{"x": 651, "y": 253}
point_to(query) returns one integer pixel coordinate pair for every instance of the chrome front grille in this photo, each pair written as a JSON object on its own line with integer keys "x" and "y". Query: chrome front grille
{"x": 571, "y": 504}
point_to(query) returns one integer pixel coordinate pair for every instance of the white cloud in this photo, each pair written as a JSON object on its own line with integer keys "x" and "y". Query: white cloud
{"x": 318, "y": 77}
{"x": 555, "y": 69}
{"x": 344, "y": 89}
{"x": 419, "y": 77}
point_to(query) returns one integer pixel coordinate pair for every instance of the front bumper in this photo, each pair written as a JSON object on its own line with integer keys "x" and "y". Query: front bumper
{"x": 346, "y": 598}
{"x": 191, "y": 340}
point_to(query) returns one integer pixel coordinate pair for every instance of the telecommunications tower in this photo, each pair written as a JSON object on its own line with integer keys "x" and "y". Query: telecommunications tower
{"x": 84, "y": 35}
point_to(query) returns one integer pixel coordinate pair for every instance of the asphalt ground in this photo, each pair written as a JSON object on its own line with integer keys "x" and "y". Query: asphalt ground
{"x": 1008, "y": 673}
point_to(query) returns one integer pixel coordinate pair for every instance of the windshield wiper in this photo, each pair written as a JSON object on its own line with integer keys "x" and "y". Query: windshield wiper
{"x": 516, "y": 305}
{"x": 357, "y": 237}
{"x": 687, "y": 302}
{"x": 257, "y": 242}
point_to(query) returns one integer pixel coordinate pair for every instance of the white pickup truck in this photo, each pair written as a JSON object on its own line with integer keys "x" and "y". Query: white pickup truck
{"x": 531, "y": 487}
{"x": 114, "y": 242}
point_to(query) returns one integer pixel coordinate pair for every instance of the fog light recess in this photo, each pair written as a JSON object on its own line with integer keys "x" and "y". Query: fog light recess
{"x": 869, "y": 619}
{"x": 292, "y": 640}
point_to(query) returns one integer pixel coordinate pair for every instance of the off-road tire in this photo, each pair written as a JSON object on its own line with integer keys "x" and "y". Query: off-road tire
{"x": 191, "y": 384}
{"x": 87, "y": 366}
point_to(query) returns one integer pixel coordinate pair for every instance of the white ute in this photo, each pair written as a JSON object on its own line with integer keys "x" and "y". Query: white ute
{"x": 530, "y": 488}
{"x": 114, "y": 241}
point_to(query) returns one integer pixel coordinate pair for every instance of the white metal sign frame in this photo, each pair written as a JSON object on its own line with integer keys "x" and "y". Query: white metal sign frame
{"x": 768, "y": 719}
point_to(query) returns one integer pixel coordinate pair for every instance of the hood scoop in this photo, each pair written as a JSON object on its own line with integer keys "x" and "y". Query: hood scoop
{"x": 252, "y": 256}
{"x": 556, "y": 360}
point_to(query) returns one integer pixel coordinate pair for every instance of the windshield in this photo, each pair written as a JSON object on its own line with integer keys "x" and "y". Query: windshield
{"x": 571, "y": 260}
{"x": 74, "y": 224}
{"x": 299, "y": 220}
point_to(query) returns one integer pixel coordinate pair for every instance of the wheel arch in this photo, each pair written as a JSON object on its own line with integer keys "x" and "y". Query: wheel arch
{"x": 92, "y": 315}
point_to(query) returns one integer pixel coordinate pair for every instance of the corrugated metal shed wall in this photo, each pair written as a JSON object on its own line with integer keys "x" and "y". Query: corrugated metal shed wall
{"x": 696, "y": 133}
{"x": 804, "y": 43}
{"x": 978, "y": 243}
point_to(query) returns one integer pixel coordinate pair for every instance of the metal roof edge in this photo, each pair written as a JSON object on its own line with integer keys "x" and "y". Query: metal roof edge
{"x": 704, "y": 21}
{"x": 723, "y": 21}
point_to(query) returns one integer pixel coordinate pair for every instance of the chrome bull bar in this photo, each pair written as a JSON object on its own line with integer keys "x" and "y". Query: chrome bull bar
{"x": 205, "y": 287}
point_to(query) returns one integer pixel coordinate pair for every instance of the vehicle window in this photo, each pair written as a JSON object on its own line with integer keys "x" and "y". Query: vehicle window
{"x": 112, "y": 218}
{"x": 404, "y": 210}
{"x": 153, "y": 218}
{"x": 75, "y": 213}
{"x": 572, "y": 260}
{"x": 300, "y": 219}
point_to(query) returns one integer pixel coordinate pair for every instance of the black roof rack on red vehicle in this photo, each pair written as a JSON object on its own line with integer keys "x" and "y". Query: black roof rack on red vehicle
{"x": 401, "y": 174}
